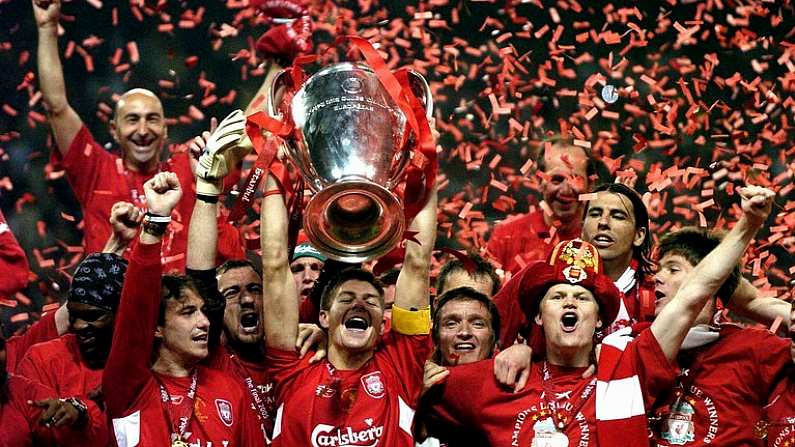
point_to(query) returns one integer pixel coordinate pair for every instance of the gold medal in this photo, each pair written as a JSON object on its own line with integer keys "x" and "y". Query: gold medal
{"x": 179, "y": 443}
{"x": 760, "y": 429}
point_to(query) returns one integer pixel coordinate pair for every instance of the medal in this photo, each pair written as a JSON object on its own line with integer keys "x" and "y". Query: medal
{"x": 760, "y": 429}
{"x": 179, "y": 443}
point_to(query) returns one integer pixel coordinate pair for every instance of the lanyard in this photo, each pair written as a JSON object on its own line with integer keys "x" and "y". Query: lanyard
{"x": 561, "y": 416}
{"x": 256, "y": 399}
{"x": 177, "y": 437}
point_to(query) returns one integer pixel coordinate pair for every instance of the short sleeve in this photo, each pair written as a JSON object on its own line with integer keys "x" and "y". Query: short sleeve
{"x": 284, "y": 367}
{"x": 407, "y": 355}
{"x": 84, "y": 162}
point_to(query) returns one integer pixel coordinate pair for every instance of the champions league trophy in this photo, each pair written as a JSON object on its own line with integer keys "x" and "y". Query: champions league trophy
{"x": 351, "y": 146}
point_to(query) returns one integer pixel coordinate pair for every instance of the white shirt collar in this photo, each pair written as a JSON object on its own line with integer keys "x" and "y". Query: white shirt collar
{"x": 626, "y": 281}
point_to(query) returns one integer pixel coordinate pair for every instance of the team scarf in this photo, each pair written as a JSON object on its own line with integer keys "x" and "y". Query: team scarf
{"x": 620, "y": 409}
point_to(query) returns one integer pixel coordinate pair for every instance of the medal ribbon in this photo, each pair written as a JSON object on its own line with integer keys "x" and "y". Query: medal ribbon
{"x": 259, "y": 403}
{"x": 165, "y": 397}
{"x": 562, "y": 416}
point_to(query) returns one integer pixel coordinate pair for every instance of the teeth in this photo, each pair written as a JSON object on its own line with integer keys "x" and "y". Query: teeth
{"x": 464, "y": 346}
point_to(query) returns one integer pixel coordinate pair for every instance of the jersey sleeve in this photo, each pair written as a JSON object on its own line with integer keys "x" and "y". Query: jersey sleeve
{"x": 460, "y": 399}
{"x": 127, "y": 368}
{"x": 407, "y": 355}
{"x": 33, "y": 367}
{"x": 17, "y": 346}
{"x": 655, "y": 372}
{"x": 283, "y": 368}
{"x": 773, "y": 362}
{"x": 84, "y": 163}
{"x": 13, "y": 262}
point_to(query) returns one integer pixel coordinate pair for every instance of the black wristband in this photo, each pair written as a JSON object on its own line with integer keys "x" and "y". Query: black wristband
{"x": 206, "y": 198}
{"x": 156, "y": 225}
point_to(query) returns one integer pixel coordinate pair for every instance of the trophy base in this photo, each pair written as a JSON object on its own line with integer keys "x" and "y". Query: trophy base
{"x": 354, "y": 221}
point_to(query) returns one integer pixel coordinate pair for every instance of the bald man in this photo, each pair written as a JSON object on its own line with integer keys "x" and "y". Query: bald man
{"x": 99, "y": 178}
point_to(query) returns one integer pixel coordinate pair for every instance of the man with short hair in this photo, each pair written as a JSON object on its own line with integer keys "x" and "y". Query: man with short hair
{"x": 728, "y": 373}
{"x": 177, "y": 400}
{"x": 367, "y": 389}
{"x": 455, "y": 273}
{"x": 570, "y": 298}
{"x": 306, "y": 266}
{"x": 565, "y": 172}
{"x": 98, "y": 178}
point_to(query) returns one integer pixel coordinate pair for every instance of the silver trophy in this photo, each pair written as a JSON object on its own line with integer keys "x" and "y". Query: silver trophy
{"x": 350, "y": 145}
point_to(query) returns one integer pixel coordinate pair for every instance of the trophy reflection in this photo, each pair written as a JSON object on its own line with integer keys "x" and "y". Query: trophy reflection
{"x": 350, "y": 144}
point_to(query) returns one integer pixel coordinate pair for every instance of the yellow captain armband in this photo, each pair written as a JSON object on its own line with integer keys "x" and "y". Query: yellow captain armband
{"x": 411, "y": 322}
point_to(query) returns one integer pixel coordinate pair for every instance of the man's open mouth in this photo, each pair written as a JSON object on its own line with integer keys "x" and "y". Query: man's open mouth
{"x": 200, "y": 339}
{"x": 568, "y": 322}
{"x": 357, "y": 323}
{"x": 249, "y": 322}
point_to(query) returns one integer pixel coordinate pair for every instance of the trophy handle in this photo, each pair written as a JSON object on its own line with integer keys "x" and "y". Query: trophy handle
{"x": 426, "y": 96}
{"x": 273, "y": 88}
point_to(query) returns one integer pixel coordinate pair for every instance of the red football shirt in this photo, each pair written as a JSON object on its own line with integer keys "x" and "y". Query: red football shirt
{"x": 722, "y": 390}
{"x": 243, "y": 372}
{"x": 524, "y": 237}
{"x": 20, "y": 425}
{"x": 13, "y": 262}
{"x": 320, "y": 406}
{"x": 99, "y": 179}
{"x": 57, "y": 364}
{"x": 780, "y": 415}
{"x": 472, "y": 397}
{"x": 18, "y": 345}
{"x": 132, "y": 394}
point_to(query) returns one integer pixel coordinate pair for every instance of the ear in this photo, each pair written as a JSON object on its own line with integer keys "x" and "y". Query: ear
{"x": 382, "y": 329}
{"x": 640, "y": 236}
{"x": 114, "y": 130}
{"x": 159, "y": 332}
{"x": 538, "y": 321}
{"x": 599, "y": 323}
{"x": 323, "y": 319}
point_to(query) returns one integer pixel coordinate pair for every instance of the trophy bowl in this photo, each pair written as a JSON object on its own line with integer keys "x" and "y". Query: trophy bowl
{"x": 350, "y": 144}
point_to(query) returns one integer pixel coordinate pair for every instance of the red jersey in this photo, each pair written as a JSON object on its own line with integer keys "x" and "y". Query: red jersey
{"x": 99, "y": 179}
{"x": 524, "y": 237}
{"x": 637, "y": 300}
{"x": 320, "y": 406}
{"x": 20, "y": 421}
{"x": 18, "y": 345}
{"x": 780, "y": 415}
{"x": 220, "y": 413}
{"x": 57, "y": 364}
{"x": 254, "y": 379}
{"x": 13, "y": 262}
{"x": 472, "y": 397}
{"x": 721, "y": 391}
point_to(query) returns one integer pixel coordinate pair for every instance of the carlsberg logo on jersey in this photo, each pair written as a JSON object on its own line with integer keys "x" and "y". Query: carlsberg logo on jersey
{"x": 325, "y": 435}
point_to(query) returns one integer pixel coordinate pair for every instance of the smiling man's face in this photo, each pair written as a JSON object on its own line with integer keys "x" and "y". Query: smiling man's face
{"x": 465, "y": 332}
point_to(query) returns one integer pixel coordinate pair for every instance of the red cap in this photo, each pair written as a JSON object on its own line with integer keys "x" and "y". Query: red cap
{"x": 571, "y": 262}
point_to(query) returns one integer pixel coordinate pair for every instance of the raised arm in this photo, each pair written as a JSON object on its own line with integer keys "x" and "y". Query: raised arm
{"x": 125, "y": 219}
{"x": 64, "y": 120}
{"x": 701, "y": 284}
{"x": 127, "y": 368}
{"x": 413, "y": 283}
{"x": 747, "y": 301}
{"x": 279, "y": 295}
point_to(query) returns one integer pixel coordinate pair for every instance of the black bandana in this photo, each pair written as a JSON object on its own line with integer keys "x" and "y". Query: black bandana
{"x": 98, "y": 281}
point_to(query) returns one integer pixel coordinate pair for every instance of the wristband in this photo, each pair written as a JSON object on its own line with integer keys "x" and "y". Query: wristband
{"x": 156, "y": 225}
{"x": 207, "y": 198}
{"x": 82, "y": 409}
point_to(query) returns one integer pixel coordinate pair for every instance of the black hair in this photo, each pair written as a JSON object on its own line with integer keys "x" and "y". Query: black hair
{"x": 349, "y": 274}
{"x": 694, "y": 244}
{"x": 641, "y": 253}
{"x": 389, "y": 277}
{"x": 173, "y": 287}
{"x": 233, "y": 264}
{"x": 464, "y": 294}
{"x": 482, "y": 268}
